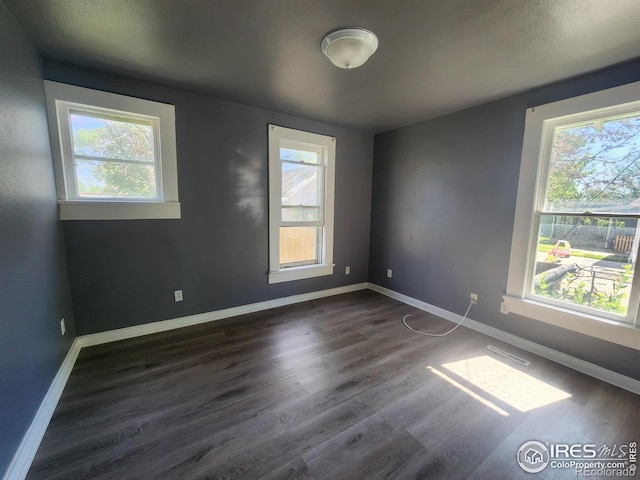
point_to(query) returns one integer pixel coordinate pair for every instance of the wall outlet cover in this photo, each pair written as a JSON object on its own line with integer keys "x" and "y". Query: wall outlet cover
{"x": 504, "y": 308}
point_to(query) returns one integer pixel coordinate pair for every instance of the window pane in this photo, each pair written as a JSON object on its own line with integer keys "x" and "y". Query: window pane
{"x": 586, "y": 261}
{"x": 301, "y": 214}
{"x": 596, "y": 167}
{"x": 300, "y": 185}
{"x": 298, "y": 245}
{"x": 98, "y": 179}
{"x": 296, "y": 155}
{"x": 104, "y": 136}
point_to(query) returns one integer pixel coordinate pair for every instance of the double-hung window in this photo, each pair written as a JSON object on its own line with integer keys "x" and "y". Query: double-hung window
{"x": 115, "y": 156}
{"x": 575, "y": 241}
{"x": 301, "y": 191}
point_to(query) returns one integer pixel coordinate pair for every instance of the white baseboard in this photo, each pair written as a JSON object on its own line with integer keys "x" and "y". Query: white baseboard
{"x": 22, "y": 459}
{"x": 164, "y": 325}
{"x": 582, "y": 366}
{"x": 27, "y": 449}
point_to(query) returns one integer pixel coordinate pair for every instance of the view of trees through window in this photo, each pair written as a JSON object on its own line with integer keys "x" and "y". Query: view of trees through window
{"x": 113, "y": 157}
{"x": 587, "y": 242}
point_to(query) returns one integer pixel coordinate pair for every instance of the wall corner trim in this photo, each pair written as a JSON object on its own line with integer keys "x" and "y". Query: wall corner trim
{"x": 26, "y": 452}
{"x": 582, "y": 366}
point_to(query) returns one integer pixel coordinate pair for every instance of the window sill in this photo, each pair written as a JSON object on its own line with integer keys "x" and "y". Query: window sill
{"x": 299, "y": 273}
{"x": 604, "y": 329}
{"x": 87, "y": 210}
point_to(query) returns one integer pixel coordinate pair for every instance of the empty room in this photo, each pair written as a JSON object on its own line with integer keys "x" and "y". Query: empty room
{"x": 305, "y": 239}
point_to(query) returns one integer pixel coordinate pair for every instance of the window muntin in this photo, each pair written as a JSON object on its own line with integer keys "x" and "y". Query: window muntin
{"x": 302, "y": 204}
{"x": 591, "y": 181}
{"x": 540, "y": 124}
{"x": 301, "y": 183}
{"x": 302, "y": 187}
{"x": 114, "y": 156}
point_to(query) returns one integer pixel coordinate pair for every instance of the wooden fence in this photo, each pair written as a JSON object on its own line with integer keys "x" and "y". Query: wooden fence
{"x": 623, "y": 244}
{"x": 297, "y": 244}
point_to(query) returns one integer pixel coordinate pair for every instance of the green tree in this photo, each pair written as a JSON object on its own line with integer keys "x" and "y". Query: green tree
{"x": 567, "y": 166}
{"x": 121, "y": 155}
{"x": 595, "y": 163}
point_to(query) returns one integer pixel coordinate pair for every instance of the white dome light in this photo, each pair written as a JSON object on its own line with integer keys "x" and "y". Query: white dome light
{"x": 349, "y": 47}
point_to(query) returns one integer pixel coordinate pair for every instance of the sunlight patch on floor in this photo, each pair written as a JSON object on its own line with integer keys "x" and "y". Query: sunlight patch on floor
{"x": 514, "y": 387}
{"x": 472, "y": 394}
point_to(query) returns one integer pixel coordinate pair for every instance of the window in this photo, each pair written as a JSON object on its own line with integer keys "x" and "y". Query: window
{"x": 301, "y": 185}
{"x": 115, "y": 156}
{"x": 575, "y": 240}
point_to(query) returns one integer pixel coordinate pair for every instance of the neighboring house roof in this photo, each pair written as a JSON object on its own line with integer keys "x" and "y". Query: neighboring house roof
{"x": 295, "y": 180}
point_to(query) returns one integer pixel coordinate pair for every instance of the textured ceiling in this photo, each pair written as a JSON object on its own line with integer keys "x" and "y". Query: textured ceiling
{"x": 435, "y": 56}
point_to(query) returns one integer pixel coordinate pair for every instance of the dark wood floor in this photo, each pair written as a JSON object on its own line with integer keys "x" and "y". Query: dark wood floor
{"x": 335, "y": 388}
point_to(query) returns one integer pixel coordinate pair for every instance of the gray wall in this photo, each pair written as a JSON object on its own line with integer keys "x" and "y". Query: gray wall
{"x": 124, "y": 273}
{"x": 444, "y": 194}
{"x": 34, "y": 286}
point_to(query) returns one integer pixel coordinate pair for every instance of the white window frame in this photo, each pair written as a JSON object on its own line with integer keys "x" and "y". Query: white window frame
{"x": 326, "y": 146}
{"x": 539, "y": 125}
{"x": 63, "y": 98}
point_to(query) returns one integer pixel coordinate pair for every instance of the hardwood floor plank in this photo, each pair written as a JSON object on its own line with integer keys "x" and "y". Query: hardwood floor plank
{"x": 259, "y": 459}
{"x": 335, "y": 388}
{"x": 295, "y": 470}
{"x": 371, "y": 449}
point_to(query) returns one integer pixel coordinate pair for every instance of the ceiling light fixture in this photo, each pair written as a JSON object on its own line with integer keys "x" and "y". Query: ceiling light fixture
{"x": 349, "y": 47}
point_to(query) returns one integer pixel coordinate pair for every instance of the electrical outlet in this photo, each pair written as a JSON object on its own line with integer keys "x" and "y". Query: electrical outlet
{"x": 389, "y": 273}
{"x": 62, "y": 327}
{"x": 504, "y": 308}
{"x": 177, "y": 295}
{"x": 474, "y": 298}
{"x": 347, "y": 270}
